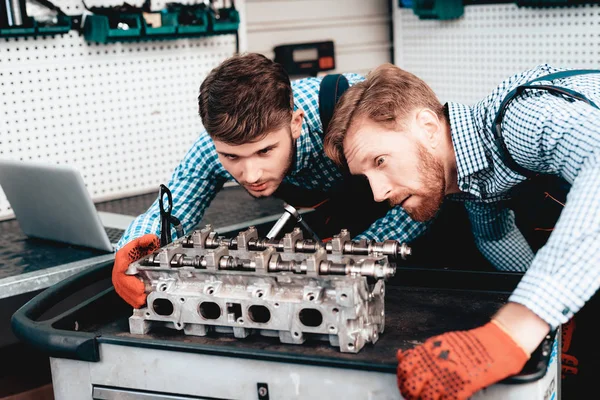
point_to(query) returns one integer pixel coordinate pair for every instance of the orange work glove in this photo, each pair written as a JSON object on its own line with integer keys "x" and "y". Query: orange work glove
{"x": 455, "y": 365}
{"x": 129, "y": 287}
{"x": 570, "y": 363}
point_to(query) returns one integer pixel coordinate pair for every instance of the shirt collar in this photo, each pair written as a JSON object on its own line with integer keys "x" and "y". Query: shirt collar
{"x": 468, "y": 147}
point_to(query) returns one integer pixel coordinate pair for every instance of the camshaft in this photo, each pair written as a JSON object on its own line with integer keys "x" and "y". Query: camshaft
{"x": 390, "y": 248}
{"x": 367, "y": 267}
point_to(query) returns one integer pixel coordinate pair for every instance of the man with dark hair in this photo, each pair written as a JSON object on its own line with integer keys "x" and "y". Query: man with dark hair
{"x": 261, "y": 130}
{"x": 416, "y": 152}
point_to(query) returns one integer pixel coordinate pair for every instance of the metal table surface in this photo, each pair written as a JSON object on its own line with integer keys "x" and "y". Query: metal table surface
{"x": 28, "y": 264}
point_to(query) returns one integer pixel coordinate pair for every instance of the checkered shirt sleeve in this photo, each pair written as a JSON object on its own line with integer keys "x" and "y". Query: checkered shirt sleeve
{"x": 396, "y": 225}
{"x": 549, "y": 134}
{"x": 492, "y": 224}
{"x": 565, "y": 273}
{"x": 193, "y": 184}
{"x": 497, "y": 236}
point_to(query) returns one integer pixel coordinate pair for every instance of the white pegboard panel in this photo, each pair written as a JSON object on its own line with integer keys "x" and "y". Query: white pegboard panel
{"x": 464, "y": 59}
{"x": 124, "y": 114}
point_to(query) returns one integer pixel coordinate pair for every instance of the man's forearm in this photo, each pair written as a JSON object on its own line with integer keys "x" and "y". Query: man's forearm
{"x": 509, "y": 253}
{"x": 193, "y": 185}
{"x": 395, "y": 225}
{"x": 497, "y": 236}
{"x": 523, "y": 325}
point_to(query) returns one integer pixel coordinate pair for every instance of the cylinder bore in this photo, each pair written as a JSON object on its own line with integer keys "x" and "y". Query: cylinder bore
{"x": 259, "y": 314}
{"x": 310, "y": 317}
{"x": 162, "y": 307}
{"x": 209, "y": 310}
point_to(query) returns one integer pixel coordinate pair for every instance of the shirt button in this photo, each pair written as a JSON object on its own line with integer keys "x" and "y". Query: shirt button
{"x": 565, "y": 311}
{"x": 465, "y": 186}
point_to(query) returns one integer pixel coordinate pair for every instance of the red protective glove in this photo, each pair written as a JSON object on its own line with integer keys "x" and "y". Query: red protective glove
{"x": 455, "y": 365}
{"x": 570, "y": 363}
{"x": 129, "y": 287}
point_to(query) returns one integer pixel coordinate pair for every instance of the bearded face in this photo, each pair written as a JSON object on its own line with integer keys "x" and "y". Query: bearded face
{"x": 400, "y": 169}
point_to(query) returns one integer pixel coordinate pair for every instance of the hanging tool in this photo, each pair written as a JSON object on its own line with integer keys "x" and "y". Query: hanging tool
{"x": 166, "y": 219}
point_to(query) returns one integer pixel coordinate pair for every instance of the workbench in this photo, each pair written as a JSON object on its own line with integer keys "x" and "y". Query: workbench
{"x": 93, "y": 355}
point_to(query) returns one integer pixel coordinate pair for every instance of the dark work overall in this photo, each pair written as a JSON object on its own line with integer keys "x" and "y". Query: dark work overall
{"x": 538, "y": 203}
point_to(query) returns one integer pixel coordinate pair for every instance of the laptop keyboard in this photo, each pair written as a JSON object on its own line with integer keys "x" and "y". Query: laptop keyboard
{"x": 114, "y": 234}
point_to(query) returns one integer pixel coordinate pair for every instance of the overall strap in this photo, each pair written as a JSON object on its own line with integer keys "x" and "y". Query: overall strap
{"x": 331, "y": 89}
{"x": 497, "y": 125}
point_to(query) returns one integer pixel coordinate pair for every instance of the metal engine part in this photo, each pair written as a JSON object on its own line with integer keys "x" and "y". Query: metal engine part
{"x": 293, "y": 288}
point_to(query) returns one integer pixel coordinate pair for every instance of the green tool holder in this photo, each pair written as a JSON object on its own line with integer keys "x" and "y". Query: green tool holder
{"x": 34, "y": 28}
{"x": 229, "y": 20}
{"x": 453, "y": 9}
{"x": 27, "y": 29}
{"x": 438, "y": 9}
{"x": 63, "y": 25}
{"x": 104, "y": 29}
{"x": 168, "y": 25}
{"x": 200, "y": 28}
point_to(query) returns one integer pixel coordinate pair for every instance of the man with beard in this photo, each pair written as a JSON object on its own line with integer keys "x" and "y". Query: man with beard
{"x": 261, "y": 130}
{"x": 415, "y": 152}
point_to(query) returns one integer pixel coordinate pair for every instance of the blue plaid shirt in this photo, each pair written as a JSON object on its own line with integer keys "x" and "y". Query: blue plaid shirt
{"x": 198, "y": 178}
{"x": 549, "y": 134}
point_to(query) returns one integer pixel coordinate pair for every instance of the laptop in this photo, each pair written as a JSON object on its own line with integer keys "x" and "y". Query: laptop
{"x": 51, "y": 202}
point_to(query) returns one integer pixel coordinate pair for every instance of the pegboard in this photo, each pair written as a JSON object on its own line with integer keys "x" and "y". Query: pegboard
{"x": 463, "y": 60}
{"x": 124, "y": 114}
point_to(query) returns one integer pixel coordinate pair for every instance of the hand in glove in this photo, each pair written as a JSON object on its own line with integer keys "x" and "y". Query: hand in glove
{"x": 455, "y": 365}
{"x": 129, "y": 287}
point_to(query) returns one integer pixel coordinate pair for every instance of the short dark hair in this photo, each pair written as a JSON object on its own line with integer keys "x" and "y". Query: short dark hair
{"x": 244, "y": 98}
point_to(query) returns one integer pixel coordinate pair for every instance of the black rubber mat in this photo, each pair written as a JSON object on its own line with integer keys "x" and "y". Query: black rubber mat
{"x": 412, "y": 314}
{"x": 20, "y": 254}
